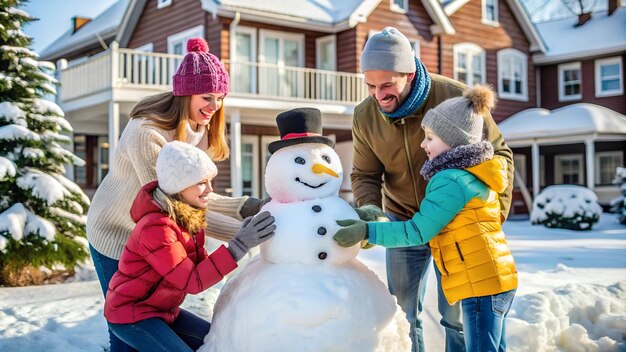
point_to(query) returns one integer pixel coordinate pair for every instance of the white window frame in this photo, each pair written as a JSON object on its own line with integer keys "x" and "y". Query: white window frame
{"x": 417, "y": 49}
{"x": 265, "y": 154}
{"x": 163, "y": 3}
{"x": 282, "y": 35}
{"x": 172, "y": 40}
{"x": 558, "y": 173}
{"x": 233, "y": 55}
{"x": 404, "y": 8}
{"x": 612, "y": 153}
{"x": 513, "y": 55}
{"x": 468, "y": 49}
{"x": 567, "y": 67}
{"x": 254, "y": 140}
{"x": 598, "y": 66}
{"x": 487, "y": 21}
{"x": 329, "y": 39}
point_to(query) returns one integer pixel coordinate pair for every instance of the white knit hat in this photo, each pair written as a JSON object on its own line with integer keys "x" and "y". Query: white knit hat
{"x": 181, "y": 165}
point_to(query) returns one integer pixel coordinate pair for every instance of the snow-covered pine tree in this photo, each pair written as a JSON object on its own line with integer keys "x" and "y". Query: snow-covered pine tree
{"x": 42, "y": 213}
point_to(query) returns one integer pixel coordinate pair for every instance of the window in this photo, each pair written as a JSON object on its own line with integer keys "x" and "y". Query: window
{"x": 325, "y": 59}
{"x": 519, "y": 162}
{"x": 568, "y": 169}
{"x": 177, "y": 44}
{"x": 250, "y": 166}
{"x": 490, "y": 12}
{"x": 606, "y": 163}
{"x": 469, "y": 63}
{"x": 570, "y": 81}
{"x": 163, "y": 3}
{"x": 401, "y": 6}
{"x": 280, "y": 54}
{"x": 609, "y": 79}
{"x": 265, "y": 156}
{"x": 512, "y": 75}
{"x": 417, "y": 50}
{"x": 243, "y": 60}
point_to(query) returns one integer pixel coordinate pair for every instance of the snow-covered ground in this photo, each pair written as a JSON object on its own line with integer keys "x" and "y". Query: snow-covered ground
{"x": 572, "y": 297}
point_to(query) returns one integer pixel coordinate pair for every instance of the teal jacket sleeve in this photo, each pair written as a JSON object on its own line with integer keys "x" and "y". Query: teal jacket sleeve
{"x": 444, "y": 199}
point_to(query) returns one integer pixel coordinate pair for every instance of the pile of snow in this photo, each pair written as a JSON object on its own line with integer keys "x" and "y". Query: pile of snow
{"x": 569, "y": 319}
{"x": 566, "y": 206}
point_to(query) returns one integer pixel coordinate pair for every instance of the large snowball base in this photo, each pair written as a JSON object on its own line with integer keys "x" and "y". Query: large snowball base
{"x": 299, "y": 307}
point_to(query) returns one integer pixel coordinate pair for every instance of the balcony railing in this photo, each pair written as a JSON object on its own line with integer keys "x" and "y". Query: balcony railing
{"x": 128, "y": 68}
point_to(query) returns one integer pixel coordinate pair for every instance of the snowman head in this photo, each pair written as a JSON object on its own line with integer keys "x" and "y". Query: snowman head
{"x": 303, "y": 172}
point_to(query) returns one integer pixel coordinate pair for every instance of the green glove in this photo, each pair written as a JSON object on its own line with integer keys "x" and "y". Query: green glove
{"x": 371, "y": 212}
{"x": 351, "y": 232}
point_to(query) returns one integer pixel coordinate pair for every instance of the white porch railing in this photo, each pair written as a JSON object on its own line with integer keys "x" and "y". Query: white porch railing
{"x": 128, "y": 68}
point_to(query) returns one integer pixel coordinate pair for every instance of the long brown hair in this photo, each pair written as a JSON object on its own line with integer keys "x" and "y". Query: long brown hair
{"x": 170, "y": 112}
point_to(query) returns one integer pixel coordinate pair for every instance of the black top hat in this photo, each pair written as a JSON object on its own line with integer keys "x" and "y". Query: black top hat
{"x": 301, "y": 125}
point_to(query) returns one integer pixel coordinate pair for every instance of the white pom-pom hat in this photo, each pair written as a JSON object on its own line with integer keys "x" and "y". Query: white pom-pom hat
{"x": 181, "y": 165}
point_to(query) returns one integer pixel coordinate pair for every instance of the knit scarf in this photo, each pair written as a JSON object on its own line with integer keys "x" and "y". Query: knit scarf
{"x": 417, "y": 95}
{"x": 460, "y": 157}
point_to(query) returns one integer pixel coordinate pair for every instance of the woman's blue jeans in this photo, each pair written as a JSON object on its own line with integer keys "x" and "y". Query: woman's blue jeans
{"x": 484, "y": 321}
{"x": 105, "y": 268}
{"x": 185, "y": 334}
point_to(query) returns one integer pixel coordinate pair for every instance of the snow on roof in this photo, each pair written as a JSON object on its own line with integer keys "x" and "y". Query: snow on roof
{"x": 105, "y": 25}
{"x": 570, "y": 120}
{"x": 325, "y": 11}
{"x": 602, "y": 34}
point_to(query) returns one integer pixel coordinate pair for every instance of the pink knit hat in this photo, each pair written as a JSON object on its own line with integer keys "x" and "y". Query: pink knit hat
{"x": 200, "y": 72}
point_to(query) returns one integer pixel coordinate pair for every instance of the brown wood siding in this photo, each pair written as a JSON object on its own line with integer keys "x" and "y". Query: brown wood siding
{"x": 347, "y": 60}
{"x": 155, "y": 25}
{"x": 470, "y": 29}
{"x": 415, "y": 25}
{"x": 550, "y": 87}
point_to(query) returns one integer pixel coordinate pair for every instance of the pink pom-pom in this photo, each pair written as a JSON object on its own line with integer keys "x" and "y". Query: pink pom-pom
{"x": 197, "y": 45}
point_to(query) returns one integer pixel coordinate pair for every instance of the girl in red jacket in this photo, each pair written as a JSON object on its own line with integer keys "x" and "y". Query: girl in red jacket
{"x": 164, "y": 258}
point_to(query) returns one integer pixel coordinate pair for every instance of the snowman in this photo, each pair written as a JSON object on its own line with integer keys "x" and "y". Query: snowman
{"x": 303, "y": 292}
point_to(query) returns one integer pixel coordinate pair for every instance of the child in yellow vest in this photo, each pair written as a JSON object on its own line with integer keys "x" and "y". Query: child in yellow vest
{"x": 459, "y": 217}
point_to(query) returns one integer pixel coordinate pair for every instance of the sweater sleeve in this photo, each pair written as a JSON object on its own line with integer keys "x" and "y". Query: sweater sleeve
{"x": 367, "y": 170}
{"x": 168, "y": 257}
{"x": 443, "y": 201}
{"x": 220, "y": 226}
{"x": 229, "y": 206}
{"x": 143, "y": 151}
{"x": 492, "y": 134}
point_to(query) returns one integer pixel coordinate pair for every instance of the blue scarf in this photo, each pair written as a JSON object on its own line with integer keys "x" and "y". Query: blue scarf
{"x": 417, "y": 95}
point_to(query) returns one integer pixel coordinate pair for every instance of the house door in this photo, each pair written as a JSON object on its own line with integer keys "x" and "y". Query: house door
{"x": 281, "y": 54}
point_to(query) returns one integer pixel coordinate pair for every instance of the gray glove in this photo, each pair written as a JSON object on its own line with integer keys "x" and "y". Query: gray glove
{"x": 252, "y": 206}
{"x": 254, "y": 231}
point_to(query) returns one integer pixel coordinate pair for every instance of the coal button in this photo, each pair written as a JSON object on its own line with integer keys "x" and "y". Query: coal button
{"x": 321, "y": 231}
{"x": 322, "y": 255}
{"x": 317, "y": 208}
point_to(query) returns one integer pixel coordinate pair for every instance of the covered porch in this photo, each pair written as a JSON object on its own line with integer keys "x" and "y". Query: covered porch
{"x": 580, "y": 144}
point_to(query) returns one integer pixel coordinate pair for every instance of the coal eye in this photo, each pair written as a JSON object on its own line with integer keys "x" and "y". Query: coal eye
{"x": 326, "y": 158}
{"x": 300, "y": 160}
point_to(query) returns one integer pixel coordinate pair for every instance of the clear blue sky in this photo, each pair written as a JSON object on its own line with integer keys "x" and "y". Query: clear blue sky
{"x": 55, "y": 17}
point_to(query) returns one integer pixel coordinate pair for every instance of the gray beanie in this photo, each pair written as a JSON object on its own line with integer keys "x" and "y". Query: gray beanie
{"x": 459, "y": 121}
{"x": 180, "y": 165}
{"x": 388, "y": 50}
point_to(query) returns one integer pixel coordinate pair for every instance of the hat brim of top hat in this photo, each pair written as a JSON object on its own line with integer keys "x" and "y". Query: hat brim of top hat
{"x": 276, "y": 145}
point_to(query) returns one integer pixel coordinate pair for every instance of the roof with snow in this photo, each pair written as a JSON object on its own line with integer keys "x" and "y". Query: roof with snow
{"x": 104, "y": 25}
{"x": 575, "y": 119}
{"x": 324, "y": 11}
{"x": 603, "y": 34}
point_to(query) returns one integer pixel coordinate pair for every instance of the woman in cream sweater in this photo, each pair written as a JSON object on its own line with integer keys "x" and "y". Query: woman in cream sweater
{"x": 194, "y": 113}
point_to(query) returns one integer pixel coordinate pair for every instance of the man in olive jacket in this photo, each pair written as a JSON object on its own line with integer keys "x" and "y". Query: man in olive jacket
{"x": 387, "y": 132}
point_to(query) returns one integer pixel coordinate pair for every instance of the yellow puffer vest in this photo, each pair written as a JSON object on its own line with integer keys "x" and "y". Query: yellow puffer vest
{"x": 471, "y": 251}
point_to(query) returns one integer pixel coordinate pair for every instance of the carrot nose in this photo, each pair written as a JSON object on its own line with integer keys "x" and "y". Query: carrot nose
{"x": 321, "y": 169}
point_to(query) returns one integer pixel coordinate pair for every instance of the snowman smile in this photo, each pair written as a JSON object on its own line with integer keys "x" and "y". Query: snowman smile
{"x": 308, "y": 185}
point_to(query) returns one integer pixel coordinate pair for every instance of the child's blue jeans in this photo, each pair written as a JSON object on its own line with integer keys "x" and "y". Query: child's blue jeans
{"x": 484, "y": 321}
{"x": 185, "y": 334}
